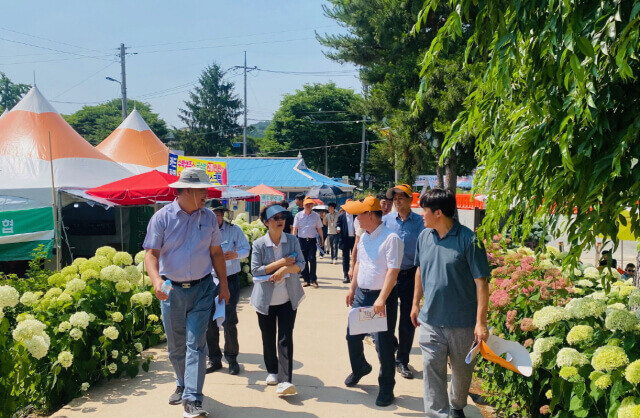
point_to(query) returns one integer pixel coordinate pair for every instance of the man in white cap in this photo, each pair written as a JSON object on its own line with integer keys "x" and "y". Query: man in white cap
{"x": 183, "y": 245}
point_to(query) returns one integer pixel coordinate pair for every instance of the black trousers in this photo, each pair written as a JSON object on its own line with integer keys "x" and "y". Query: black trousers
{"x": 406, "y": 330}
{"x": 280, "y": 322}
{"x": 231, "y": 347}
{"x": 308, "y": 247}
{"x": 383, "y": 340}
{"x": 347, "y": 246}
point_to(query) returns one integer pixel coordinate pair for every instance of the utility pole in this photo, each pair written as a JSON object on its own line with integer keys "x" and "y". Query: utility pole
{"x": 123, "y": 82}
{"x": 364, "y": 136}
{"x": 244, "y": 130}
{"x": 326, "y": 157}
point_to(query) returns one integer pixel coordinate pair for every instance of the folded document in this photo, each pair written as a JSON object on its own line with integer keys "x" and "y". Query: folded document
{"x": 364, "y": 321}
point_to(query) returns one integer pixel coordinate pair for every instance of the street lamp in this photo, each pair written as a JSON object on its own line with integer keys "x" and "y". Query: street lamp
{"x": 124, "y": 96}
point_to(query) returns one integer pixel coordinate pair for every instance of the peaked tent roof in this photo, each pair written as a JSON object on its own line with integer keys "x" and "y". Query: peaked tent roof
{"x": 134, "y": 146}
{"x": 264, "y": 189}
{"x": 26, "y": 153}
{"x": 4, "y": 112}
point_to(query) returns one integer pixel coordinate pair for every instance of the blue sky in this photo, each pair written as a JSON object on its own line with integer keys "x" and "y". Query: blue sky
{"x": 72, "y": 45}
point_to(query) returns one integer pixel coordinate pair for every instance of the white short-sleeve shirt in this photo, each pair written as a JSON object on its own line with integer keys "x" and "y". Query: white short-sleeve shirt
{"x": 377, "y": 253}
{"x": 280, "y": 294}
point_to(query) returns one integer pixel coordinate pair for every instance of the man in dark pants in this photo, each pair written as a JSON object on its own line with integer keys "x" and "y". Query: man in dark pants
{"x": 374, "y": 279}
{"x": 307, "y": 225}
{"x": 347, "y": 234}
{"x": 235, "y": 247}
{"x": 408, "y": 226}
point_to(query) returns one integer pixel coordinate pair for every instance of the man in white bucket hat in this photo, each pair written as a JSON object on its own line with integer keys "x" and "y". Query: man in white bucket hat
{"x": 183, "y": 245}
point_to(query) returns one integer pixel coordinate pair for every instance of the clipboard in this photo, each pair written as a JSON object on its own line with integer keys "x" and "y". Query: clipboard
{"x": 266, "y": 277}
{"x": 364, "y": 321}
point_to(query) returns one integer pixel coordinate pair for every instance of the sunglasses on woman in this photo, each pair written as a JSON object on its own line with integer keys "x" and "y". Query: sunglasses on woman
{"x": 279, "y": 217}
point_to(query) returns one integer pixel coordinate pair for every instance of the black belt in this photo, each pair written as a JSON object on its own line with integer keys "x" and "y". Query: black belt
{"x": 307, "y": 239}
{"x": 190, "y": 284}
{"x": 369, "y": 290}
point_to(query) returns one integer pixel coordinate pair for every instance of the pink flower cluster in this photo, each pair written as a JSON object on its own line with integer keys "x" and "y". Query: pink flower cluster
{"x": 526, "y": 325}
{"x": 511, "y": 319}
{"x": 500, "y": 298}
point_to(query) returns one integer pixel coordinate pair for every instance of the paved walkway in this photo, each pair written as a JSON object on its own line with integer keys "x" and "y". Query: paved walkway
{"x": 321, "y": 365}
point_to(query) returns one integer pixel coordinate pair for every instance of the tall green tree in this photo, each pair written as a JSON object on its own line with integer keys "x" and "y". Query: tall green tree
{"x": 210, "y": 115}
{"x": 315, "y": 116}
{"x": 10, "y": 93}
{"x": 380, "y": 42}
{"x": 555, "y": 111}
{"x": 95, "y": 123}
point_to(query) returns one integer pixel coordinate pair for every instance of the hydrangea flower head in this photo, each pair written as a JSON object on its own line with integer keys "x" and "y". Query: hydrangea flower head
{"x": 72, "y": 269}
{"x": 603, "y": 382}
{"x": 80, "y": 320}
{"x": 38, "y": 345}
{"x": 112, "y": 368}
{"x": 580, "y": 334}
{"x": 591, "y": 273}
{"x": 142, "y": 298}
{"x": 123, "y": 286}
{"x": 549, "y": 315}
{"x": 608, "y": 358}
{"x": 122, "y": 258}
{"x": 139, "y": 258}
{"x": 64, "y": 326}
{"x": 542, "y": 345}
{"x": 27, "y": 329}
{"x": 111, "y": 333}
{"x": 65, "y": 358}
{"x": 9, "y": 297}
{"x": 117, "y": 317}
{"x": 632, "y": 372}
{"x": 75, "y": 285}
{"x": 85, "y": 386}
{"x": 106, "y": 252}
{"x": 113, "y": 274}
{"x": 621, "y": 320}
{"x": 133, "y": 274}
{"x": 580, "y": 308}
{"x": 570, "y": 357}
{"x": 568, "y": 373}
{"x": 629, "y": 408}
{"x": 75, "y": 333}
{"x": 29, "y": 299}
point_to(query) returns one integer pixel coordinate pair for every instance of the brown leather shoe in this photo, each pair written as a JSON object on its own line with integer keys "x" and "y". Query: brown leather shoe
{"x": 315, "y": 284}
{"x": 306, "y": 284}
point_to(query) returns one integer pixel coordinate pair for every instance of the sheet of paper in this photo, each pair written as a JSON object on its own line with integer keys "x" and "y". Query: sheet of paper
{"x": 219, "y": 314}
{"x": 364, "y": 321}
{"x": 259, "y": 279}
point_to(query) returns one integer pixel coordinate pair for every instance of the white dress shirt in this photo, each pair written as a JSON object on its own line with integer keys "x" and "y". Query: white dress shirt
{"x": 378, "y": 252}
{"x": 280, "y": 294}
{"x": 307, "y": 225}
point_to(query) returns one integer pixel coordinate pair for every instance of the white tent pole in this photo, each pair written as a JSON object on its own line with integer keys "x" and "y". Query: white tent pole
{"x": 121, "y": 230}
{"x": 56, "y": 221}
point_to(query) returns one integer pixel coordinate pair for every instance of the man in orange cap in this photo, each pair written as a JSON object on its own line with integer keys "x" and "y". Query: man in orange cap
{"x": 307, "y": 225}
{"x": 376, "y": 270}
{"x": 408, "y": 225}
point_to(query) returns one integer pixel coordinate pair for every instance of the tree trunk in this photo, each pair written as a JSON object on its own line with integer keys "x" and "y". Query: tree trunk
{"x": 451, "y": 171}
{"x": 439, "y": 168}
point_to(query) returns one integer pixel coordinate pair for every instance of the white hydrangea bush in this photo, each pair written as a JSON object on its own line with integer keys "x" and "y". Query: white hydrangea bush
{"x": 62, "y": 327}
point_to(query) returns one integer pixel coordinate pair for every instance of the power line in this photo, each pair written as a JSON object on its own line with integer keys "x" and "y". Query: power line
{"x": 55, "y": 60}
{"x": 311, "y": 148}
{"x": 51, "y": 49}
{"x": 224, "y": 46}
{"x": 234, "y": 37}
{"x": 50, "y": 40}
{"x": 341, "y": 73}
{"x": 76, "y": 85}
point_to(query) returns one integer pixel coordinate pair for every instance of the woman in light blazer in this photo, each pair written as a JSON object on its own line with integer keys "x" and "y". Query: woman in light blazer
{"x": 276, "y": 300}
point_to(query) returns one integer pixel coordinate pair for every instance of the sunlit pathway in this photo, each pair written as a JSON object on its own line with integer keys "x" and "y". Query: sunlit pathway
{"x": 321, "y": 365}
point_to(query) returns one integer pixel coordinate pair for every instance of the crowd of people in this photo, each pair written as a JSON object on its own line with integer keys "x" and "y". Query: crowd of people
{"x": 389, "y": 259}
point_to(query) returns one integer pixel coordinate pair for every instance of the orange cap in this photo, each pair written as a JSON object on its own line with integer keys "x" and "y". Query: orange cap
{"x": 308, "y": 200}
{"x": 369, "y": 204}
{"x": 400, "y": 188}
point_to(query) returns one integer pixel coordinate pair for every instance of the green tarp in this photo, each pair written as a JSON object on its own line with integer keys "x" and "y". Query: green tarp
{"x": 21, "y": 231}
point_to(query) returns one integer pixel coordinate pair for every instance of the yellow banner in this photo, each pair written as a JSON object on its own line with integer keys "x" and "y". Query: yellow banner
{"x": 216, "y": 170}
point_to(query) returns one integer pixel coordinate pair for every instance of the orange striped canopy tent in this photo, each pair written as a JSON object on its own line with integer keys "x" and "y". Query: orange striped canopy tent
{"x": 134, "y": 146}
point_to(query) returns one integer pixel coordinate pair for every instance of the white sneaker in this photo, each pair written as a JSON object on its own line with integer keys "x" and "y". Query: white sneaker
{"x": 272, "y": 379}
{"x": 286, "y": 388}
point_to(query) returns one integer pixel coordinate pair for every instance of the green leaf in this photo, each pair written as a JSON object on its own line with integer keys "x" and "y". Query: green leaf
{"x": 585, "y": 46}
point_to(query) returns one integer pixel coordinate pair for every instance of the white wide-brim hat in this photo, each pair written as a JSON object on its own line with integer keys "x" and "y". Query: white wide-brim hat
{"x": 192, "y": 178}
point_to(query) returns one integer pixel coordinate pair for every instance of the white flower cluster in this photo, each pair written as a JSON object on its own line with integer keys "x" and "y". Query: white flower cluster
{"x": 584, "y": 283}
{"x": 117, "y": 317}
{"x": 139, "y": 258}
{"x": 9, "y": 297}
{"x": 122, "y": 258}
{"x": 29, "y": 298}
{"x": 591, "y": 273}
{"x": 65, "y": 358}
{"x": 31, "y": 333}
{"x": 113, "y": 274}
{"x": 80, "y": 320}
{"x": 581, "y": 308}
{"x": 75, "y": 285}
{"x": 548, "y": 315}
{"x": 570, "y": 357}
{"x": 111, "y": 333}
{"x": 142, "y": 298}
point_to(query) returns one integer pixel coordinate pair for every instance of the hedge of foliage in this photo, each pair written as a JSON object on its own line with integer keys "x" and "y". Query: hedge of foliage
{"x": 583, "y": 330}
{"x": 60, "y": 333}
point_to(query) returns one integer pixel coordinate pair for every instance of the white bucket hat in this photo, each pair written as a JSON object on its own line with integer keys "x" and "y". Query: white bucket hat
{"x": 192, "y": 178}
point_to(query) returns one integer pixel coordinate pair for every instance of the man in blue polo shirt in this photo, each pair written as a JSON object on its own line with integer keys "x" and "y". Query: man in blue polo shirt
{"x": 408, "y": 226}
{"x": 183, "y": 245}
{"x": 453, "y": 271}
